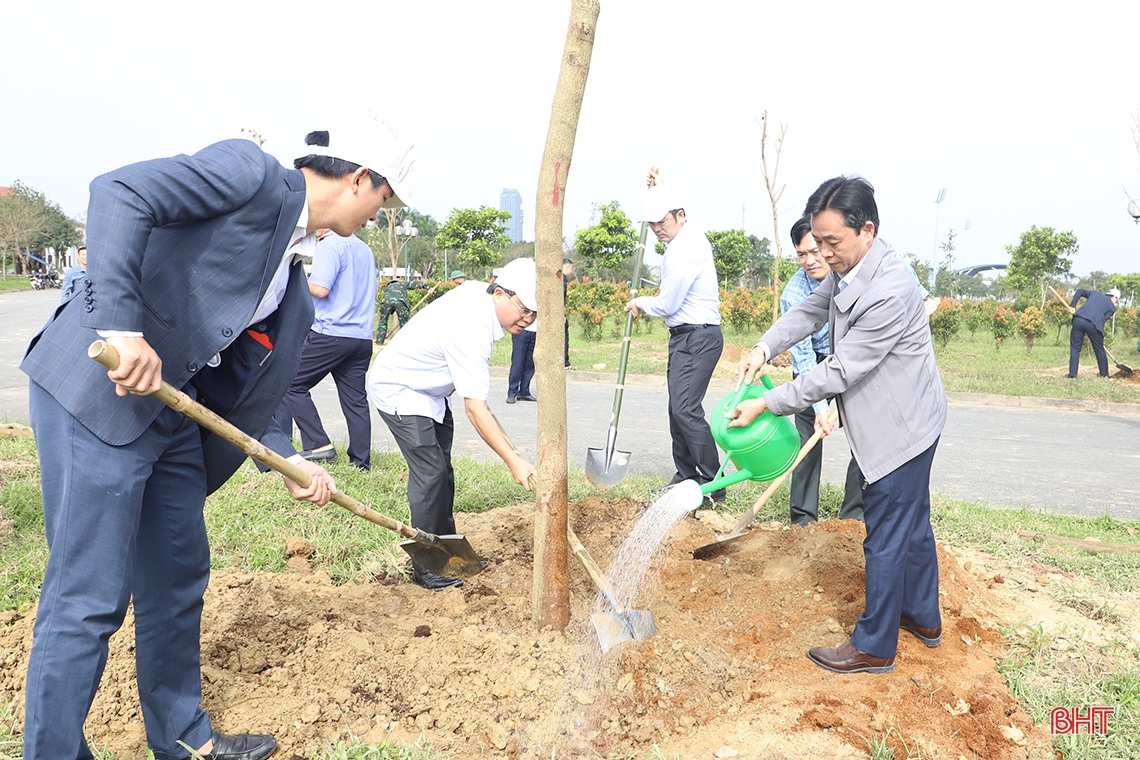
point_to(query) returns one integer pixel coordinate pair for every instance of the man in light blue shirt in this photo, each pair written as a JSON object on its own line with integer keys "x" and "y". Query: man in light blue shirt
{"x": 72, "y": 277}
{"x": 343, "y": 286}
{"x": 804, "y": 497}
{"x": 689, "y": 301}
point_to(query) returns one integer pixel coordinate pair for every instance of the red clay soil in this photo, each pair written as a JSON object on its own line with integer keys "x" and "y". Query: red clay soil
{"x": 465, "y": 671}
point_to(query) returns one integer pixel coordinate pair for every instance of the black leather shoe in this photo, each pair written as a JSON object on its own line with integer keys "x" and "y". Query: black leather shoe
{"x": 716, "y": 497}
{"x": 527, "y": 397}
{"x": 324, "y": 455}
{"x": 511, "y": 399}
{"x": 241, "y": 747}
{"x": 848, "y": 659}
{"x": 932, "y": 637}
{"x": 433, "y": 582}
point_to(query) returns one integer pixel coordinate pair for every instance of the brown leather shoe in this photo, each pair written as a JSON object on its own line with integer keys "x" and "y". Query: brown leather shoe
{"x": 848, "y": 659}
{"x": 932, "y": 637}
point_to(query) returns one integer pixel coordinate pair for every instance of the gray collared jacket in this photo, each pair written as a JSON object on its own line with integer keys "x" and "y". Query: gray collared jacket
{"x": 881, "y": 370}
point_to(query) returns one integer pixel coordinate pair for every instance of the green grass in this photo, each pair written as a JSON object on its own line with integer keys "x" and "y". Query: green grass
{"x": 15, "y": 282}
{"x": 251, "y": 517}
{"x": 356, "y": 750}
{"x": 1043, "y": 674}
{"x": 967, "y": 364}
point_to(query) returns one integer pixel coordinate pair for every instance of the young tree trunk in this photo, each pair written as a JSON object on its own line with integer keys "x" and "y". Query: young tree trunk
{"x": 550, "y": 596}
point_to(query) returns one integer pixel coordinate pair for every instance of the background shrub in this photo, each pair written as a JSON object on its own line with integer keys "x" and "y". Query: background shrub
{"x": 1003, "y": 324}
{"x": 946, "y": 321}
{"x": 1031, "y": 326}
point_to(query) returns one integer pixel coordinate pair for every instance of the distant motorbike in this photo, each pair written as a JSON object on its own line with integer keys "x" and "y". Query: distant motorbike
{"x": 45, "y": 280}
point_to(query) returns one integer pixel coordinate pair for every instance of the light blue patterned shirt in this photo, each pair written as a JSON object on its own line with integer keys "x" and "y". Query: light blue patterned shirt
{"x": 799, "y": 287}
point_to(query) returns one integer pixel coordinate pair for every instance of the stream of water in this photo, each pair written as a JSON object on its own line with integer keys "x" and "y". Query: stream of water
{"x": 627, "y": 573}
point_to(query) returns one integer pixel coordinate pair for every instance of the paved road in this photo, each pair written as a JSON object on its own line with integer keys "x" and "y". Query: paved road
{"x": 1066, "y": 461}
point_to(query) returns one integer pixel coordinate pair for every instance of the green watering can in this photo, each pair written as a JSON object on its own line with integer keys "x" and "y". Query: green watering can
{"x": 763, "y": 450}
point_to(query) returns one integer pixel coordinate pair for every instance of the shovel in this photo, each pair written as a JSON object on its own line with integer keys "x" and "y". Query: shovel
{"x": 739, "y": 530}
{"x": 1122, "y": 367}
{"x": 623, "y": 623}
{"x": 608, "y": 467}
{"x": 443, "y": 555}
{"x": 614, "y": 627}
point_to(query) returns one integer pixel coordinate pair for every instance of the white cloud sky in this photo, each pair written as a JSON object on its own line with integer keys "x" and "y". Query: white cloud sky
{"x": 1021, "y": 110}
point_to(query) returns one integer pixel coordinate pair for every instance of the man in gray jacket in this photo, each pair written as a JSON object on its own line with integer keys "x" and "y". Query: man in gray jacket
{"x": 892, "y": 405}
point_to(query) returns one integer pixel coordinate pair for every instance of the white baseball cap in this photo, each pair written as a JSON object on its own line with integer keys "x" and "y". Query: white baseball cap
{"x": 1114, "y": 292}
{"x": 519, "y": 276}
{"x": 370, "y": 143}
{"x": 659, "y": 201}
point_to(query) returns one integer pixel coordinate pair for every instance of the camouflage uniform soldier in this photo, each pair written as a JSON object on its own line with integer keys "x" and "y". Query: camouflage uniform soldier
{"x": 396, "y": 300}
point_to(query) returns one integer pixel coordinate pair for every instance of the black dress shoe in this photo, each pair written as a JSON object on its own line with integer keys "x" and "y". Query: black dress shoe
{"x": 324, "y": 455}
{"x": 932, "y": 637}
{"x": 241, "y": 747}
{"x": 511, "y": 399}
{"x": 527, "y": 397}
{"x": 716, "y": 497}
{"x": 433, "y": 582}
{"x": 848, "y": 659}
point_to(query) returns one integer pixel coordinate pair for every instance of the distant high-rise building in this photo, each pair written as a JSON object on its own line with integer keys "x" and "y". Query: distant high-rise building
{"x": 510, "y": 200}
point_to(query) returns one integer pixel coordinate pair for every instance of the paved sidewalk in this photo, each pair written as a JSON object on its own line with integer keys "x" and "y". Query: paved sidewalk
{"x": 1068, "y": 456}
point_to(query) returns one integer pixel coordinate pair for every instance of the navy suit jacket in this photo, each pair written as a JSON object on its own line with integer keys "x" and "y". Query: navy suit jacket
{"x": 183, "y": 249}
{"x": 1098, "y": 307}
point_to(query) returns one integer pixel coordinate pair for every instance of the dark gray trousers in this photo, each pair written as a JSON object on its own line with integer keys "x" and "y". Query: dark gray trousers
{"x": 347, "y": 360}
{"x": 426, "y": 446}
{"x": 692, "y": 359}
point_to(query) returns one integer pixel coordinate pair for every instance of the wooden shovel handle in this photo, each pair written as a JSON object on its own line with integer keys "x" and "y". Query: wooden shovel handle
{"x": 747, "y": 517}
{"x": 1061, "y": 298}
{"x": 106, "y": 355}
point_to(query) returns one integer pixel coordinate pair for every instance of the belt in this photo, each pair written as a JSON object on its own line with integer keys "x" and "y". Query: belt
{"x": 683, "y": 329}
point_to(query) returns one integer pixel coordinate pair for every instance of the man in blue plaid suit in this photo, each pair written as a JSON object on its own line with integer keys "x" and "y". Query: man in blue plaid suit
{"x": 194, "y": 276}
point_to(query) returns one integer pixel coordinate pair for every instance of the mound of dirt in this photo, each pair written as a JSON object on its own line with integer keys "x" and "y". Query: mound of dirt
{"x": 466, "y": 671}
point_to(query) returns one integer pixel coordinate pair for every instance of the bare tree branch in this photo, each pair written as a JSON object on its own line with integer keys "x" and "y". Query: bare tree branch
{"x": 774, "y": 196}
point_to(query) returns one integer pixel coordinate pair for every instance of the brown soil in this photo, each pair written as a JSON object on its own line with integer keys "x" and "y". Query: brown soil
{"x": 1128, "y": 377}
{"x": 465, "y": 671}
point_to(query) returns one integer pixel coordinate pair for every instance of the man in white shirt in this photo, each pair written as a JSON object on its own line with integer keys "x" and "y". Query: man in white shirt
{"x": 689, "y": 301}
{"x": 446, "y": 349}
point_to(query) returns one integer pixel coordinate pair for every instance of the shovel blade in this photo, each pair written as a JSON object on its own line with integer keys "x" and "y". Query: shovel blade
{"x": 453, "y": 556}
{"x": 605, "y": 471}
{"x": 717, "y": 548}
{"x": 613, "y": 628}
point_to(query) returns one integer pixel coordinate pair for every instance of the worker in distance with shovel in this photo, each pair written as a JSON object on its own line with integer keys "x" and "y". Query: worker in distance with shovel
{"x": 889, "y": 394}
{"x": 1090, "y": 320}
{"x": 446, "y": 349}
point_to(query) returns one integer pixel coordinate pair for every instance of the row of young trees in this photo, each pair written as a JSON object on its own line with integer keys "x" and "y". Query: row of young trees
{"x": 30, "y": 223}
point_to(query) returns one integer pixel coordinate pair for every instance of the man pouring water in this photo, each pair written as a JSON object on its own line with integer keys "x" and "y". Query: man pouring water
{"x": 892, "y": 405}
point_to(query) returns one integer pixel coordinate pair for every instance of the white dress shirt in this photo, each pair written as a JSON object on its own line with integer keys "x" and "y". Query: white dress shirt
{"x": 689, "y": 293}
{"x": 444, "y": 349}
